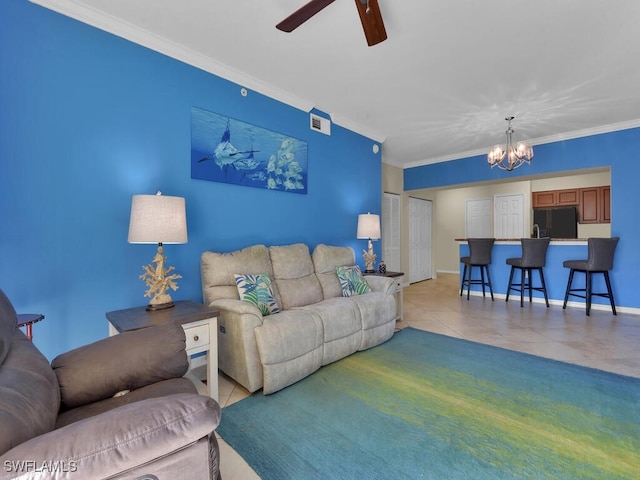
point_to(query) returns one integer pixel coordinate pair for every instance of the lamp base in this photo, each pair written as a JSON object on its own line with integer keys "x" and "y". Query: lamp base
{"x": 370, "y": 271}
{"x": 159, "y": 306}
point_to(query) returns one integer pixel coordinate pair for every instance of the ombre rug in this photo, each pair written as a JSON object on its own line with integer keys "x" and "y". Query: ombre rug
{"x": 427, "y": 406}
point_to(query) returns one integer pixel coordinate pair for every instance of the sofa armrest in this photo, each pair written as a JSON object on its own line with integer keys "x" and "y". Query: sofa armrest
{"x": 236, "y": 306}
{"x": 238, "y": 354}
{"x": 381, "y": 284}
{"x": 128, "y": 361}
{"x": 115, "y": 441}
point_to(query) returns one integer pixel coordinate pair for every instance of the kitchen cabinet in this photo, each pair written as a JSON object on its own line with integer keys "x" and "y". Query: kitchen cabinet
{"x": 555, "y": 198}
{"x": 595, "y": 204}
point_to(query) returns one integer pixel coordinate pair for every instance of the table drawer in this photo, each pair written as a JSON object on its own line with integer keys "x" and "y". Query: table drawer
{"x": 197, "y": 336}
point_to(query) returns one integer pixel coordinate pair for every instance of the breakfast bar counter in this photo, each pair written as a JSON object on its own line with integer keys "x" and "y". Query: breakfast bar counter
{"x": 516, "y": 241}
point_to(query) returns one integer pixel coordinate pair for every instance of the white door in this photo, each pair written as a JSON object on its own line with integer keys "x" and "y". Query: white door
{"x": 391, "y": 232}
{"x": 478, "y": 218}
{"x": 508, "y": 220}
{"x": 420, "y": 212}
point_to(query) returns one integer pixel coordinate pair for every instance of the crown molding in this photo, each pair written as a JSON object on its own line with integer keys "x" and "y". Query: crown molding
{"x": 140, "y": 36}
{"x": 587, "y": 132}
{"x": 135, "y": 34}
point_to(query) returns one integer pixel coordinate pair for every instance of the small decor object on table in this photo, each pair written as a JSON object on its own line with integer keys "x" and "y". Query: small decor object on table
{"x": 382, "y": 267}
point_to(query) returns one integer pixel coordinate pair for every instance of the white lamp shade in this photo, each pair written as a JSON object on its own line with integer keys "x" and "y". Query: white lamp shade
{"x": 369, "y": 226}
{"x": 157, "y": 219}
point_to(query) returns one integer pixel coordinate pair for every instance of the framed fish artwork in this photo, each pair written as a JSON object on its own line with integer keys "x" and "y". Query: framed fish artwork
{"x": 230, "y": 151}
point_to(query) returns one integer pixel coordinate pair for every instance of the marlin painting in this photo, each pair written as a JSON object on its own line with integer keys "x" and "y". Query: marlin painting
{"x": 225, "y": 153}
{"x": 257, "y": 157}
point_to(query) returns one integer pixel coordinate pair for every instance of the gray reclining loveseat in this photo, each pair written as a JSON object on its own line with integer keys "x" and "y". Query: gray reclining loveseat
{"x": 63, "y": 420}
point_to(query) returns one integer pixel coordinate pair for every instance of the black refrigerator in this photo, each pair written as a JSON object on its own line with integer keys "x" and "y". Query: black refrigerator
{"x": 560, "y": 222}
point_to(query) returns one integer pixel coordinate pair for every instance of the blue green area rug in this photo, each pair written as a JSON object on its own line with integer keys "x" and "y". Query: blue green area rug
{"x": 427, "y": 406}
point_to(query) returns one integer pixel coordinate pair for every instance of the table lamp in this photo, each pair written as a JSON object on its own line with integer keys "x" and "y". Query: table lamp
{"x": 158, "y": 219}
{"x": 369, "y": 228}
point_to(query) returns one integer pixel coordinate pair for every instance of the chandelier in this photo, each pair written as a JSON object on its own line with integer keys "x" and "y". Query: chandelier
{"x": 512, "y": 156}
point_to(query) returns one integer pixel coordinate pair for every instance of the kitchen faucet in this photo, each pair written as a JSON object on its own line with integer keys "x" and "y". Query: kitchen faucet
{"x": 536, "y": 230}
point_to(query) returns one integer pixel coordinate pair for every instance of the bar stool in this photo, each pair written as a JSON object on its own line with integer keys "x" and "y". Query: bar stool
{"x": 600, "y": 260}
{"x": 479, "y": 256}
{"x": 534, "y": 257}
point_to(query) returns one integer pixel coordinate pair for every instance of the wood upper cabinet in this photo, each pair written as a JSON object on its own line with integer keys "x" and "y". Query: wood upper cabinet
{"x": 555, "y": 198}
{"x": 606, "y": 204}
{"x": 595, "y": 204}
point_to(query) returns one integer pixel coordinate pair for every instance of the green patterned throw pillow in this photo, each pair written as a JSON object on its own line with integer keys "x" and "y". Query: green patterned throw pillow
{"x": 257, "y": 289}
{"x": 352, "y": 281}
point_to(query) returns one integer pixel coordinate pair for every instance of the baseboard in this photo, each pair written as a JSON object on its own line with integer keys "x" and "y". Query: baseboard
{"x": 594, "y": 306}
{"x": 453, "y": 272}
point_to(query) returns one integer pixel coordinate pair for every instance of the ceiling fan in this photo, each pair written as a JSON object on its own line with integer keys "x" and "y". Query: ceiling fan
{"x": 369, "y": 16}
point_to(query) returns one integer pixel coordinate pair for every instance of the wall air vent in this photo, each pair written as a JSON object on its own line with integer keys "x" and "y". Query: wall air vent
{"x": 320, "y": 124}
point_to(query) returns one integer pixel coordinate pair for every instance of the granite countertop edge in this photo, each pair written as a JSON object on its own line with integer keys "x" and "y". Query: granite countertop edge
{"x": 579, "y": 240}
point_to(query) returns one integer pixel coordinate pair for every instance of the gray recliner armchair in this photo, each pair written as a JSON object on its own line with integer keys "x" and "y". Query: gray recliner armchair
{"x": 117, "y": 408}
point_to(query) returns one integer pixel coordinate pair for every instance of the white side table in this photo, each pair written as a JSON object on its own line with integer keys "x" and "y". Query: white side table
{"x": 200, "y": 324}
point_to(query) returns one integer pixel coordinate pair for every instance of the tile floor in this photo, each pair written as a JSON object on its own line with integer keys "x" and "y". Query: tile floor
{"x": 600, "y": 341}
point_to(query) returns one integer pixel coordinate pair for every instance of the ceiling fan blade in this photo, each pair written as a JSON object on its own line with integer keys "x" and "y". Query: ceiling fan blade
{"x": 303, "y": 14}
{"x": 371, "y": 21}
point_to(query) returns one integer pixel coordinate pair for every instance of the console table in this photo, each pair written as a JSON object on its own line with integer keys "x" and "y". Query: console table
{"x": 200, "y": 324}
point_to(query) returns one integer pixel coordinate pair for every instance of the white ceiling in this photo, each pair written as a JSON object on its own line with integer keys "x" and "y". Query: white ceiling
{"x": 441, "y": 85}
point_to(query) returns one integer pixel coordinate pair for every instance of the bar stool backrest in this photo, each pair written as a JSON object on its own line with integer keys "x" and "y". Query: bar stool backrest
{"x": 534, "y": 252}
{"x": 601, "y": 252}
{"x": 480, "y": 250}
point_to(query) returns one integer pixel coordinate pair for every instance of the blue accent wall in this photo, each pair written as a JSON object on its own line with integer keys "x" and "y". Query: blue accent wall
{"x": 87, "y": 120}
{"x": 617, "y": 150}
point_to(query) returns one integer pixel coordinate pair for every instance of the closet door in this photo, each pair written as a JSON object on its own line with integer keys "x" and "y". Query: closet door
{"x": 391, "y": 232}
{"x": 420, "y": 213}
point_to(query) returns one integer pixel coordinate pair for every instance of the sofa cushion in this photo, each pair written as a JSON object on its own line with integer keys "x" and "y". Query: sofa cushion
{"x": 352, "y": 281}
{"x": 325, "y": 260}
{"x": 256, "y": 289}
{"x": 8, "y": 322}
{"x": 377, "y": 313}
{"x": 29, "y": 396}
{"x": 341, "y": 325}
{"x": 294, "y": 275}
{"x": 218, "y": 270}
{"x": 91, "y": 373}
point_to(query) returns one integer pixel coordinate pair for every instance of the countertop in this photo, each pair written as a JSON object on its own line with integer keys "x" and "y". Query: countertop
{"x": 517, "y": 239}
{"x": 554, "y": 241}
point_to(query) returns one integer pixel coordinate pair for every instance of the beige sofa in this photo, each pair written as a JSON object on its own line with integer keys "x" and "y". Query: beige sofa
{"x": 316, "y": 324}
